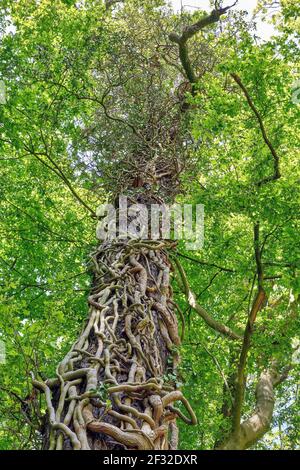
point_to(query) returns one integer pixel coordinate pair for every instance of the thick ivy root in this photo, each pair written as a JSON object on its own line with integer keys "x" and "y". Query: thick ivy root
{"x": 112, "y": 389}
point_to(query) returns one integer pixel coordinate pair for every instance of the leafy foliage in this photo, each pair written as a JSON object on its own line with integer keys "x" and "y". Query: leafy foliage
{"x": 59, "y": 151}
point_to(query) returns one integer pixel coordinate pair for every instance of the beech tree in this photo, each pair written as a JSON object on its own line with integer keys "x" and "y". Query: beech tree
{"x": 120, "y": 343}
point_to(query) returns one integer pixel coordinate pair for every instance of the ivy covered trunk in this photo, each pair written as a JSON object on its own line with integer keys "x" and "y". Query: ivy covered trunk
{"x": 116, "y": 388}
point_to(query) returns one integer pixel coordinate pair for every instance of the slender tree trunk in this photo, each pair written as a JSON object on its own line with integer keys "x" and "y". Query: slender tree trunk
{"x": 116, "y": 387}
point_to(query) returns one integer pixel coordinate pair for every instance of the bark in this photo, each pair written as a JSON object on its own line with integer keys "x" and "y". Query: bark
{"x": 112, "y": 389}
{"x": 253, "y": 428}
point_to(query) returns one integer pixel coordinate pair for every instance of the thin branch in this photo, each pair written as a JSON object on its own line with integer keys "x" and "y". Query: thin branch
{"x": 276, "y": 174}
{"x": 221, "y": 373}
{"x": 271, "y": 233}
{"x": 295, "y": 264}
{"x": 226, "y": 384}
{"x": 204, "y": 263}
{"x": 211, "y": 322}
{"x": 258, "y": 252}
{"x": 58, "y": 171}
{"x": 101, "y": 102}
{"x": 42, "y": 224}
{"x": 13, "y": 394}
{"x": 209, "y": 284}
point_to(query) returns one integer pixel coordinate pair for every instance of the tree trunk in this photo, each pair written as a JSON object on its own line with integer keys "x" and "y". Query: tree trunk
{"x": 116, "y": 387}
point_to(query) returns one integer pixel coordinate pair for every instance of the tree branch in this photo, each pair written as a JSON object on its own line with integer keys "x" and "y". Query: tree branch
{"x": 211, "y": 322}
{"x": 276, "y": 174}
{"x": 204, "y": 263}
{"x": 257, "y": 305}
{"x": 110, "y": 3}
{"x": 253, "y": 428}
{"x": 58, "y": 171}
{"x": 189, "y": 32}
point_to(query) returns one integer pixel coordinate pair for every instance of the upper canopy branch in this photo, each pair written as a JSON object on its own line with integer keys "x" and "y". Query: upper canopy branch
{"x": 110, "y": 3}
{"x": 190, "y": 31}
{"x": 276, "y": 175}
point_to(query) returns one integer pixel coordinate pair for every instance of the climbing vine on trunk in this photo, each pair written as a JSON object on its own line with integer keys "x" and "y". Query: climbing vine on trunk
{"x": 117, "y": 388}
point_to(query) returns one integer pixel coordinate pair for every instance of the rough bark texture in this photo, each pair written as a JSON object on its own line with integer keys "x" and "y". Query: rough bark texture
{"x": 253, "y": 428}
{"x": 112, "y": 390}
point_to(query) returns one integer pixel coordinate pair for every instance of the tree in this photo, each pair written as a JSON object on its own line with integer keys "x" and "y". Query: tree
{"x": 128, "y": 98}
